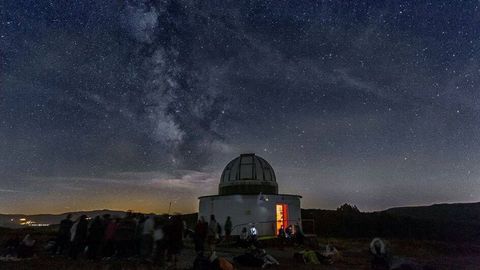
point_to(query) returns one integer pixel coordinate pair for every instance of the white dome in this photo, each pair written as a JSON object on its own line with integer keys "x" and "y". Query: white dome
{"x": 248, "y": 174}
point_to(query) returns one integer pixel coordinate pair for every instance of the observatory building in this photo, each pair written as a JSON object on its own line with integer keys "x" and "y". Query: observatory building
{"x": 248, "y": 193}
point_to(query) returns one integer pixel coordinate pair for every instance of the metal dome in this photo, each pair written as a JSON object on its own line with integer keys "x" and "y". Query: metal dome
{"x": 248, "y": 174}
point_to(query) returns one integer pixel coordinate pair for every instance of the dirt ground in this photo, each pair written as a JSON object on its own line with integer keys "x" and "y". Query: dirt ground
{"x": 354, "y": 255}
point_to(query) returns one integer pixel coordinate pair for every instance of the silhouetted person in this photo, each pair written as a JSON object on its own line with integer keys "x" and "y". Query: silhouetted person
{"x": 212, "y": 234}
{"x": 79, "y": 236}
{"x": 243, "y": 239}
{"x": 11, "y": 246}
{"x": 281, "y": 236}
{"x": 228, "y": 228}
{"x": 125, "y": 236}
{"x": 281, "y": 232}
{"x": 159, "y": 240}
{"x": 26, "y": 247}
{"x": 219, "y": 232}
{"x": 174, "y": 237}
{"x": 381, "y": 258}
{"x": 299, "y": 236}
{"x": 109, "y": 237}
{"x": 201, "y": 230}
{"x": 252, "y": 235}
{"x": 95, "y": 237}
{"x": 105, "y": 220}
{"x": 63, "y": 237}
{"x": 138, "y": 238}
{"x": 289, "y": 232}
{"x": 148, "y": 227}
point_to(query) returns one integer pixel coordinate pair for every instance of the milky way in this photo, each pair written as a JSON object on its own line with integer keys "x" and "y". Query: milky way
{"x": 133, "y": 104}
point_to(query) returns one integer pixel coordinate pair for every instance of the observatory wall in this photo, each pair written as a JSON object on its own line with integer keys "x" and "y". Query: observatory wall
{"x": 247, "y": 209}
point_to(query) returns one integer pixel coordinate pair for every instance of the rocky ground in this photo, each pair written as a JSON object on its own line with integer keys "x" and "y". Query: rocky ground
{"x": 354, "y": 255}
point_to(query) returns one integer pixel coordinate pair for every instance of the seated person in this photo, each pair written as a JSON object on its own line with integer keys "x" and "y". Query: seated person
{"x": 11, "y": 246}
{"x": 26, "y": 247}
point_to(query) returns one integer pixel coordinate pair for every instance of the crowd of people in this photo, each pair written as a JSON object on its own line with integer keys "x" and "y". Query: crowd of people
{"x": 148, "y": 237}
{"x": 211, "y": 233}
{"x": 157, "y": 239}
{"x": 145, "y": 237}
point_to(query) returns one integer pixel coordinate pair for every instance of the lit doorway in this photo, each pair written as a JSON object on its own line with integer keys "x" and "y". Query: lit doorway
{"x": 281, "y": 216}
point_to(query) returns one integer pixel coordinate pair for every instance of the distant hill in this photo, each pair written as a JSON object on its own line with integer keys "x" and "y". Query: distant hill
{"x": 452, "y": 222}
{"x": 455, "y": 212}
{"x": 13, "y": 220}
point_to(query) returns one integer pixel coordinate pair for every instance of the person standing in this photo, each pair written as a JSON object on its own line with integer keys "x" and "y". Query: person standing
{"x": 159, "y": 242}
{"x": 212, "y": 235}
{"x": 147, "y": 237}
{"x": 243, "y": 240}
{"x": 298, "y": 235}
{"x": 174, "y": 236}
{"x": 281, "y": 236}
{"x": 289, "y": 232}
{"x": 95, "y": 235}
{"x": 79, "y": 237}
{"x": 125, "y": 236}
{"x": 138, "y": 235}
{"x": 252, "y": 235}
{"x": 109, "y": 237}
{"x": 228, "y": 228}
{"x": 63, "y": 237}
{"x": 201, "y": 230}
{"x": 281, "y": 232}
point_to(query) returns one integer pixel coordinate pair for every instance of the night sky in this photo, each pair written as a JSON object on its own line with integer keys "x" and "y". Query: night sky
{"x": 133, "y": 104}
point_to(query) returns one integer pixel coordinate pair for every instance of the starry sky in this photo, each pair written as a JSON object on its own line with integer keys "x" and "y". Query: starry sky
{"x": 136, "y": 104}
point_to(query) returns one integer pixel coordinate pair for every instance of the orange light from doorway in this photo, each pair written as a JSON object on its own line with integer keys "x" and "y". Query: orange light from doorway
{"x": 281, "y": 216}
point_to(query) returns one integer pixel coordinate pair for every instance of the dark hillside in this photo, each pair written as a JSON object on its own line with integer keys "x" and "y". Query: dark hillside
{"x": 457, "y": 212}
{"x": 347, "y": 221}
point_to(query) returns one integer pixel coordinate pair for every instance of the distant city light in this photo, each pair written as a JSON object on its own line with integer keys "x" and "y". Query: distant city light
{"x": 30, "y": 223}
